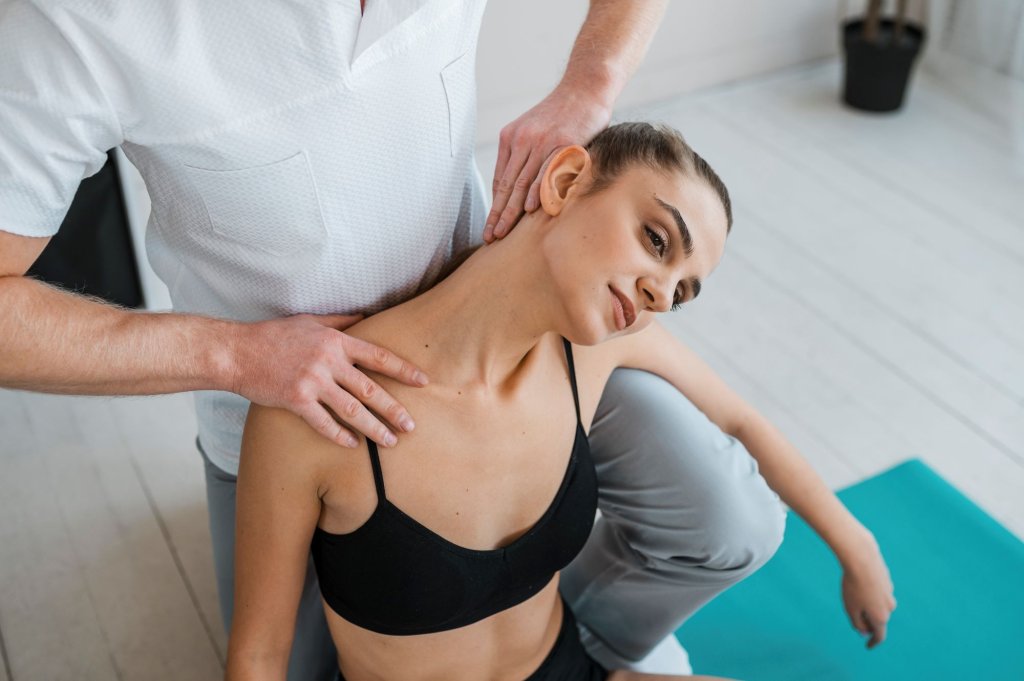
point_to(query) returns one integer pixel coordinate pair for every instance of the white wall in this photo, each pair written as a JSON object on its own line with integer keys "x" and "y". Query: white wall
{"x": 524, "y": 45}
{"x": 990, "y": 33}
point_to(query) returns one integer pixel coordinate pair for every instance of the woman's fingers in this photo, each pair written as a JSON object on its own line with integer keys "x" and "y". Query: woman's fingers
{"x": 877, "y": 625}
{"x": 859, "y": 623}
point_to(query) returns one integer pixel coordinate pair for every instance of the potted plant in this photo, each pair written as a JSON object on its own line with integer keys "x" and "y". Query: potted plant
{"x": 880, "y": 53}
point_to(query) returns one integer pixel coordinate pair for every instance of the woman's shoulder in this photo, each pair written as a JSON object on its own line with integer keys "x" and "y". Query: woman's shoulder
{"x": 276, "y": 440}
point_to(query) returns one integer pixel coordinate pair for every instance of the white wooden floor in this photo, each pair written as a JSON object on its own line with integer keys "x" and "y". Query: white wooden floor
{"x": 869, "y": 303}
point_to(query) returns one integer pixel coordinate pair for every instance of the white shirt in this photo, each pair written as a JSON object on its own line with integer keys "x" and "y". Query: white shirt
{"x": 300, "y": 157}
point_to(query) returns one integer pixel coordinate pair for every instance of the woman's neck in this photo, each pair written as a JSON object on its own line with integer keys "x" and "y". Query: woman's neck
{"x": 476, "y": 329}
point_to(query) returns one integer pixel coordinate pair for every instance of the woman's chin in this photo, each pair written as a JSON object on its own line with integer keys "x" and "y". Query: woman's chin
{"x": 593, "y": 332}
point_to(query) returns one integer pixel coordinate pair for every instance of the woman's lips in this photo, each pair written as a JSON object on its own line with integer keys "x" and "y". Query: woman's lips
{"x": 625, "y": 314}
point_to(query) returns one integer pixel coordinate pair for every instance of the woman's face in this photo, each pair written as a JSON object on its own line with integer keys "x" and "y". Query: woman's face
{"x": 644, "y": 244}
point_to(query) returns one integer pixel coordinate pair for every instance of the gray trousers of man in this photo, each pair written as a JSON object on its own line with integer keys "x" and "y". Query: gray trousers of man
{"x": 684, "y": 515}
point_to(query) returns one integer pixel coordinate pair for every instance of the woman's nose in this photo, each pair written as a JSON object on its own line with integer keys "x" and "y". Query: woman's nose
{"x": 654, "y": 297}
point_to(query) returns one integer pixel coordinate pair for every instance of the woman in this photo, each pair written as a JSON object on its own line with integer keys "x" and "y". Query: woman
{"x": 440, "y": 559}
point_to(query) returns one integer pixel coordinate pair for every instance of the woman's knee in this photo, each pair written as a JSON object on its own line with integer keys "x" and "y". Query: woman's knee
{"x": 733, "y": 524}
{"x": 687, "y": 491}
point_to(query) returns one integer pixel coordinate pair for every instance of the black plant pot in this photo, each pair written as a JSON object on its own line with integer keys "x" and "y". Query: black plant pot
{"x": 877, "y": 73}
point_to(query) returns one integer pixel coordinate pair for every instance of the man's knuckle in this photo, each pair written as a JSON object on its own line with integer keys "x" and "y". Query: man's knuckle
{"x": 323, "y": 422}
{"x": 380, "y": 355}
{"x": 369, "y": 389}
{"x": 350, "y": 408}
{"x": 300, "y": 392}
{"x": 523, "y": 182}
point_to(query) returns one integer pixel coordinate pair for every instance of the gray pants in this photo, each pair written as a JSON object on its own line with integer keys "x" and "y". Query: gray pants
{"x": 684, "y": 515}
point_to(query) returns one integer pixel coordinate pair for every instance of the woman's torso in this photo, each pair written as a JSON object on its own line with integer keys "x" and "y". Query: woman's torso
{"x": 479, "y": 471}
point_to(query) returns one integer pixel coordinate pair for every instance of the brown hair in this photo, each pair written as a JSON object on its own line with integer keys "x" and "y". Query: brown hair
{"x": 620, "y": 146}
{"x": 659, "y": 147}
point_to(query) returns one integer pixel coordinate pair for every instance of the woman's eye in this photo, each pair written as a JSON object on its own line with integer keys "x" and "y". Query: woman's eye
{"x": 656, "y": 240}
{"x": 678, "y": 301}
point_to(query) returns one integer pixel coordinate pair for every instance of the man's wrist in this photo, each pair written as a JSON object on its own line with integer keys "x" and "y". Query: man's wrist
{"x": 596, "y": 85}
{"x": 220, "y": 342}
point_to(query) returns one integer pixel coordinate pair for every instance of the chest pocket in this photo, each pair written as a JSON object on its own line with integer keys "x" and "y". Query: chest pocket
{"x": 460, "y": 91}
{"x": 272, "y": 207}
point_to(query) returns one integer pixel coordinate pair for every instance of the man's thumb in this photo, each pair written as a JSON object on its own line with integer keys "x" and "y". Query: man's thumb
{"x": 338, "y": 321}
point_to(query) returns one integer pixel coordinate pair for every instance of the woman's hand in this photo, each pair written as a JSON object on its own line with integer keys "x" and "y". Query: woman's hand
{"x": 305, "y": 364}
{"x": 868, "y": 591}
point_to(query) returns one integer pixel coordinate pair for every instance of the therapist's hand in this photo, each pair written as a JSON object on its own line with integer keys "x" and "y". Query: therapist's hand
{"x": 566, "y": 116}
{"x": 304, "y": 363}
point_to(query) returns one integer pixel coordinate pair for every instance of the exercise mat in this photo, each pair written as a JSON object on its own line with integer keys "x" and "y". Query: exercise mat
{"x": 959, "y": 586}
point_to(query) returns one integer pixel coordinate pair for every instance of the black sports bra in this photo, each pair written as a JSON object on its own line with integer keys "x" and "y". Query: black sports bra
{"x": 394, "y": 576}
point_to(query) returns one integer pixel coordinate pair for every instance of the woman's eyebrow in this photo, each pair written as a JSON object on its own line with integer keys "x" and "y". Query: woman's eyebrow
{"x": 695, "y": 287}
{"x": 684, "y": 232}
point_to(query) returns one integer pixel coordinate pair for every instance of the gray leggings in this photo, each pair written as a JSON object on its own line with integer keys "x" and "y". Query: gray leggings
{"x": 684, "y": 515}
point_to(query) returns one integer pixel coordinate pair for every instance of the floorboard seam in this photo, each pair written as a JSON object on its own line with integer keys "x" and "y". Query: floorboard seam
{"x": 990, "y": 380}
{"x": 179, "y": 566}
{"x": 3, "y": 654}
{"x": 851, "y": 466}
{"x": 895, "y": 369}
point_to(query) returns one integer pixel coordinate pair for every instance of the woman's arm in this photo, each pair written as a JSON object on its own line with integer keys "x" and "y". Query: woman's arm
{"x": 867, "y": 589}
{"x": 277, "y": 509}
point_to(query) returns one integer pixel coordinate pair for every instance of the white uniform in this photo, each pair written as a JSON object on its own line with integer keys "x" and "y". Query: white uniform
{"x": 300, "y": 157}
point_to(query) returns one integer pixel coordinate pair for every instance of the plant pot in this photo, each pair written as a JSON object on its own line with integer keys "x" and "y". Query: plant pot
{"x": 877, "y": 73}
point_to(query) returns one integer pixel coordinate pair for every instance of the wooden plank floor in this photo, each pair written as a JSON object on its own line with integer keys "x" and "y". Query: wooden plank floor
{"x": 868, "y": 303}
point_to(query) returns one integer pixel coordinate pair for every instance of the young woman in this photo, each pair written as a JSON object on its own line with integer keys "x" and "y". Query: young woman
{"x": 440, "y": 559}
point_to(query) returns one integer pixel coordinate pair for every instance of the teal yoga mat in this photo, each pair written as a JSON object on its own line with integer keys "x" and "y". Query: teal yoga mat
{"x": 959, "y": 584}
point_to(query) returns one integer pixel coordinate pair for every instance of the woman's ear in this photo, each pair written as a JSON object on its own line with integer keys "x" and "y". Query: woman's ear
{"x": 567, "y": 171}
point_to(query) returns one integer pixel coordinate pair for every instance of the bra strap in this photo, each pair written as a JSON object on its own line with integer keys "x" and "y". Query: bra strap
{"x": 378, "y": 476}
{"x": 572, "y": 377}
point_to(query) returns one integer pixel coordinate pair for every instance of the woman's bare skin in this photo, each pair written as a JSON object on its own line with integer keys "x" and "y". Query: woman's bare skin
{"x": 495, "y": 428}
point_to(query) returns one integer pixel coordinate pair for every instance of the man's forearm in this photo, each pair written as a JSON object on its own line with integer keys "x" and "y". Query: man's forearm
{"x": 803, "y": 490}
{"x": 54, "y": 341}
{"x": 611, "y": 44}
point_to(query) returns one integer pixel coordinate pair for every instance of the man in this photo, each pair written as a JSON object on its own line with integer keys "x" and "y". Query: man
{"x": 310, "y": 161}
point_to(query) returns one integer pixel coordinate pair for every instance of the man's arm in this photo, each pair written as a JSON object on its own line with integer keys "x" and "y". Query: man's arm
{"x": 60, "y": 342}
{"x": 867, "y": 588}
{"x": 611, "y": 43}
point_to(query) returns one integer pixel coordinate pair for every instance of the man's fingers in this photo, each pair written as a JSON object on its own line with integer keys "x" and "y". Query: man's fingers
{"x": 383, "y": 361}
{"x": 322, "y": 420}
{"x": 337, "y": 321}
{"x": 351, "y": 413}
{"x": 533, "y": 198}
{"x": 501, "y": 167}
{"x": 506, "y": 186}
{"x": 514, "y": 207}
{"x": 370, "y": 394}
{"x": 504, "y": 154}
